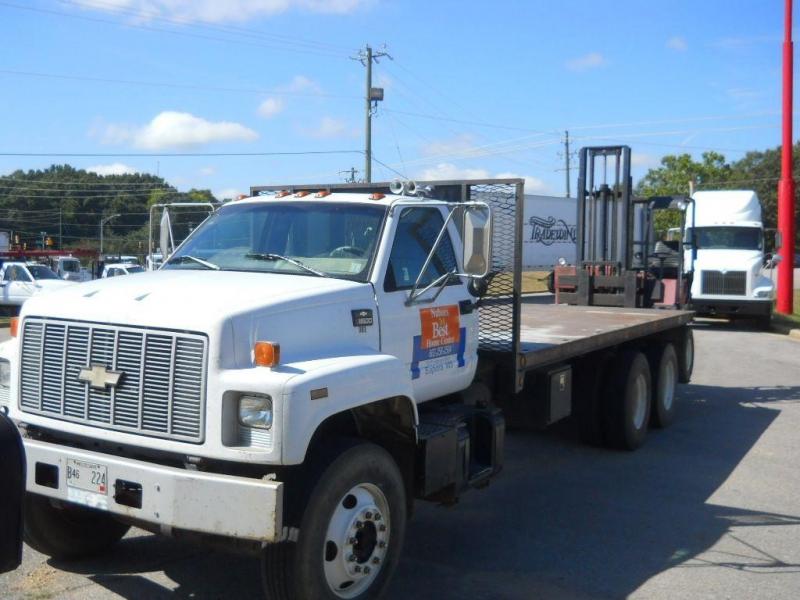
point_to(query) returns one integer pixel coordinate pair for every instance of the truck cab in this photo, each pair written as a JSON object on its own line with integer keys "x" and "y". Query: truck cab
{"x": 724, "y": 251}
{"x": 67, "y": 267}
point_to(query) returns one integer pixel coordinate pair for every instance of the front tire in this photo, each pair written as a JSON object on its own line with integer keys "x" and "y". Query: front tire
{"x": 351, "y": 532}
{"x": 68, "y": 532}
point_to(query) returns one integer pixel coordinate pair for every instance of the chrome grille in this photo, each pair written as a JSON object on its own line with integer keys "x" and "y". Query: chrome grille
{"x": 161, "y": 393}
{"x": 731, "y": 283}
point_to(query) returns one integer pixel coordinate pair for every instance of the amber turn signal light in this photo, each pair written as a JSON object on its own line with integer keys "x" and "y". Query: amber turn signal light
{"x": 267, "y": 354}
{"x": 13, "y": 326}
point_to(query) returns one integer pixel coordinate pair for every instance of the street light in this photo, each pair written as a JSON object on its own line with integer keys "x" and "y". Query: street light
{"x": 103, "y": 222}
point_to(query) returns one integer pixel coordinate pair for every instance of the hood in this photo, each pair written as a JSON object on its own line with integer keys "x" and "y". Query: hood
{"x": 726, "y": 260}
{"x": 50, "y": 284}
{"x": 192, "y": 300}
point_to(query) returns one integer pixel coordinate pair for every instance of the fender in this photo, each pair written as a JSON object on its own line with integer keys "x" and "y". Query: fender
{"x": 339, "y": 384}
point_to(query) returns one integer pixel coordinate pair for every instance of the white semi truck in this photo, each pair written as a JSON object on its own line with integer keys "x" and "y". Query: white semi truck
{"x": 724, "y": 252}
{"x": 305, "y": 366}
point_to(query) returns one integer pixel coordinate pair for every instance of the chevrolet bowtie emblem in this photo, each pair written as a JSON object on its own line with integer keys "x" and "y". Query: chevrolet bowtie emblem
{"x": 99, "y": 377}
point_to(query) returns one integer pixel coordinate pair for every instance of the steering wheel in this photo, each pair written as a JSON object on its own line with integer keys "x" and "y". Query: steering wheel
{"x": 344, "y": 251}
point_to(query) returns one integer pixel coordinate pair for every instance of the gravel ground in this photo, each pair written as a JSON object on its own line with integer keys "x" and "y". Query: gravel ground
{"x": 707, "y": 509}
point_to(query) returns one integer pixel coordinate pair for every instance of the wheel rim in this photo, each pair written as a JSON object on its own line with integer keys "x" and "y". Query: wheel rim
{"x": 668, "y": 385}
{"x": 356, "y": 541}
{"x": 640, "y": 400}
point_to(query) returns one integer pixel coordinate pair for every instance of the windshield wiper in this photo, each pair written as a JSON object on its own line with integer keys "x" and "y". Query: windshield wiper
{"x": 273, "y": 257}
{"x": 199, "y": 261}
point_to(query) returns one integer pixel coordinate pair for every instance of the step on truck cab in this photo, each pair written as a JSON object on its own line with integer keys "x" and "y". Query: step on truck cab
{"x": 306, "y": 365}
{"x": 724, "y": 252}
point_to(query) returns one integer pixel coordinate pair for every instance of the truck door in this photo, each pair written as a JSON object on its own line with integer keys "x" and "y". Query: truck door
{"x": 435, "y": 339}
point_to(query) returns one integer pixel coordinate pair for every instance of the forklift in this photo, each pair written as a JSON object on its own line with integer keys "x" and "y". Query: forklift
{"x": 620, "y": 261}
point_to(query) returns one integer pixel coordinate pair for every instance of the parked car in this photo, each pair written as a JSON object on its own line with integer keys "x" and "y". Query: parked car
{"x": 117, "y": 269}
{"x": 19, "y": 281}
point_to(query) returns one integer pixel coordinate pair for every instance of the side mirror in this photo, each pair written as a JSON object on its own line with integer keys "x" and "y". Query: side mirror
{"x": 477, "y": 228}
{"x": 776, "y": 259}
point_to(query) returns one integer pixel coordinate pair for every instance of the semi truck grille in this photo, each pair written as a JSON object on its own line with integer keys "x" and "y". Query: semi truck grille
{"x": 160, "y": 392}
{"x": 731, "y": 283}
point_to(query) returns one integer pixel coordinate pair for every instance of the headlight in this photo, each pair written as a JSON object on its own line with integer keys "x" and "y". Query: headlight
{"x": 255, "y": 411}
{"x": 763, "y": 293}
{"x": 5, "y": 373}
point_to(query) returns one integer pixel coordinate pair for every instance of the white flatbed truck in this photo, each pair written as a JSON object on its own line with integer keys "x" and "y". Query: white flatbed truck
{"x": 306, "y": 365}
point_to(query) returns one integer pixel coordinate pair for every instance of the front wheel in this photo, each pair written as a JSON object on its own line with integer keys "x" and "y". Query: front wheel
{"x": 351, "y": 532}
{"x": 68, "y": 531}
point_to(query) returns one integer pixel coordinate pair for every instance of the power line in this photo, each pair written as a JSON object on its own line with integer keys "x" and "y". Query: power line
{"x": 171, "y": 154}
{"x": 165, "y": 84}
{"x": 230, "y": 40}
{"x": 238, "y": 30}
{"x": 99, "y": 182}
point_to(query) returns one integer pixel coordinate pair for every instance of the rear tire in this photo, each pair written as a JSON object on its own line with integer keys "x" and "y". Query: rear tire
{"x": 351, "y": 532}
{"x": 686, "y": 356}
{"x": 627, "y": 401}
{"x": 69, "y": 532}
{"x": 664, "y": 371}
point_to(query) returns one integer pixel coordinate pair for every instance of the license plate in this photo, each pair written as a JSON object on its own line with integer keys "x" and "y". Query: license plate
{"x": 88, "y": 476}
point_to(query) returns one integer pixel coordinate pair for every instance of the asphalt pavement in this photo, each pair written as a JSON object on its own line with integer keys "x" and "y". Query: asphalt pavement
{"x": 709, "y": 508}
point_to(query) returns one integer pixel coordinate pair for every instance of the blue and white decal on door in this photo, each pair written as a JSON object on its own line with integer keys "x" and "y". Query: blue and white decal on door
{"x": 441, "y": 343}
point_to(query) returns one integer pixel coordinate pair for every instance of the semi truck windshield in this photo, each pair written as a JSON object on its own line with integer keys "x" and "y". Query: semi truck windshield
{"x": 725, "y": 238}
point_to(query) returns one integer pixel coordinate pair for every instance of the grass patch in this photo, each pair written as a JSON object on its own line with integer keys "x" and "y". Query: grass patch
{"x": 792, "y": 320}
{"x": 534, "y": 281}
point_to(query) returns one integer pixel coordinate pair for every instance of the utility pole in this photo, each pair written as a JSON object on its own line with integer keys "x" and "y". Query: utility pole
{"x": 567, "y": 157}
{"x": 351, "y": 175}
{"x": 373, "y": 95}
{"x": 102, "y": 223}
{"x": 60, "y": 228}
{"x": 786, "y": 199}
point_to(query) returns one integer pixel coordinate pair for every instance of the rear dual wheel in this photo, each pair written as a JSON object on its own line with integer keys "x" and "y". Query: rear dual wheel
{"x": 664, "y": 368}
{"x": 628, "y": 401}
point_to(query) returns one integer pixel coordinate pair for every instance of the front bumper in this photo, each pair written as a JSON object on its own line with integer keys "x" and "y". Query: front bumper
{"x": 744, "y": 307}
{"x": 238, "y": 507}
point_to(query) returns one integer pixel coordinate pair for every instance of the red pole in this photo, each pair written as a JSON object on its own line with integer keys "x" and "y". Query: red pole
{"x": 786, "y": 185}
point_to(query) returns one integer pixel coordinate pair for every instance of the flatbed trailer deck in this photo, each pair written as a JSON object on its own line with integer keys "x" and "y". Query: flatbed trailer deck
{"x": 553, "y": 333}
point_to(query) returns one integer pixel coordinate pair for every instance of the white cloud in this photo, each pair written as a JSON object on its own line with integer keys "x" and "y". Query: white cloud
{"x": 112, "y": 169}
{"x": 677, "y": 43}
{"x": 592, "y": 60}
{"x": 227, "y": 193}
{"x": 330, "y": 127}
{"x": 461, "y": 144}
{"x": 301, "y": 84}
{"x": 646, "y": 161}
{"x": 270, "y": 107}
{"x": 207, "y": 171}
{"x": 171, "y": 129}
{"x": 533, "y": 185}
{"x": 218, "y": 11}
{"x": 448, "y": 171}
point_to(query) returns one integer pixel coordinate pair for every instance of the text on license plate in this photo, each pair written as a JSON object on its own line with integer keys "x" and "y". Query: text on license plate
{"x": 89, "y": 476}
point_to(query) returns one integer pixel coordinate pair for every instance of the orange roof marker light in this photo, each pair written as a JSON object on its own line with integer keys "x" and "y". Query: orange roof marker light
{"x": 13, "y": 326}
{"x": 282, "y": 193}
{"x": 377, "y": 196}
{"x": 267, "y": 354}
{"x": 302, "y": 194}
{"x": 322, "y": 193}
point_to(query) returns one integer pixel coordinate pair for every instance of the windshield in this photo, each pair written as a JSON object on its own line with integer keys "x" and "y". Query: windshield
{"x": 42, "y": 272}
{"x": 134, "y": 269}
{"x": 726, "y": 238}
{"x": 336, "y": 240}
{"x": 70, "y": 266}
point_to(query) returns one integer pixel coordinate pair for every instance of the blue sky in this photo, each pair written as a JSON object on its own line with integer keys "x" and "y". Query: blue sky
{"x": 475, "y": 88}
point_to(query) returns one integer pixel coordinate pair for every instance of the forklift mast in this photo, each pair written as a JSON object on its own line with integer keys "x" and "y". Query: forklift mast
{"x": 618, "y": 259}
